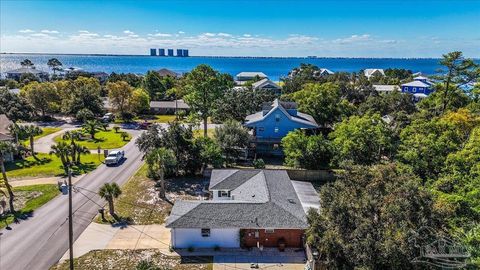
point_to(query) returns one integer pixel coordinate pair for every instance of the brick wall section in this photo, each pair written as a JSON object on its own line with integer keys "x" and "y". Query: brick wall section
{"x": 293, "y": 237}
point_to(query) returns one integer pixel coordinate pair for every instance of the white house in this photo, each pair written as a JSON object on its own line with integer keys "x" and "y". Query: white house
{"x": 249, "y": 208}
{"x": 16, "y": 74}
{"x": 369, "y": 72}
{"x": 323, "y": 72}
{"x": 266, "y": 84}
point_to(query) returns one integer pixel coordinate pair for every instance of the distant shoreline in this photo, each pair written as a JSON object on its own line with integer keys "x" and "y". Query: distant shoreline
{"x": 220, "y": 56}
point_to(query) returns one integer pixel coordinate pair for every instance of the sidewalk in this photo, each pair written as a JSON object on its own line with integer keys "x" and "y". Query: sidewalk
{"x": 40, "y": 181}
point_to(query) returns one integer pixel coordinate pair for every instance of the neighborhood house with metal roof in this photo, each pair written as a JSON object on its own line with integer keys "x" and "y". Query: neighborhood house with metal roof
{"x": 248, "y": 208}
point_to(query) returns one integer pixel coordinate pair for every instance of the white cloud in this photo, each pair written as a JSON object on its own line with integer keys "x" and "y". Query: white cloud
{"x": 353, "y": 39}
{"x": 49, "y": 31}
{"x": 210, "y": 43}
{"x": 160, "y": 35}
{"x": 26, "y": 31}
{"x": 181, "y": 32}
{"x": 39, "y": 35}
{"x": 128, "y": 32}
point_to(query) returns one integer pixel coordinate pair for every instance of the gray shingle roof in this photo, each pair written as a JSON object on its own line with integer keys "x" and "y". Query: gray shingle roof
{"x": 230, "y": 179}
{"x": 280, "y": 208}
{"x": 263, "y": 83}
{"x": 251, "y": 74}
{"x": 169, "y": 104}
{"x": 167, "y": 72}
{"x": 303, "y": 118}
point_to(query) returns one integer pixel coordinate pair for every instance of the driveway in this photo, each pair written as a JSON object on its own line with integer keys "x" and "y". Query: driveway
{"x": 43, "y": 144}
{"x": 105, "y": 236}
{"x": 270, "y": 259}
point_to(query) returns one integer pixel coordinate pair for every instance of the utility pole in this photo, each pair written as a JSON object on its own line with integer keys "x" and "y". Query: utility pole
{"x": 70, "y": 217}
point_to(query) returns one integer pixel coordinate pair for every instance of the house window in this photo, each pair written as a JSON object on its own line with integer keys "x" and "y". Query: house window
{"x": 205, "y": 232}
{"x": 276, "y": 130}
{"x": 414, "y": 89}
{"x": 257, "y": 234}
{"x": 223, "y": 193}
{"x": 277, "y": 117}
{"x": 269, "y": 230}
{"x": 275, "y": 146}
{"x": 261, "y": 129}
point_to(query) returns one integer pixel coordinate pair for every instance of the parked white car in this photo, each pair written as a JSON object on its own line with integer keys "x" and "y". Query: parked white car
{"x": 114, "y": 157}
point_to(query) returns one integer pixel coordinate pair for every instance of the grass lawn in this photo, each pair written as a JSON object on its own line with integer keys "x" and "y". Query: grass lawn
{"x": 199, "y": 132}
{"x": 164, "y": 118}
{"x": 105, "y": 139}
{"x": 140, "y": 204}
{"x": 49, "y": 165}
{"x": 46, "y": 131}
{"x": 29, "y": 198}
{"x": 128, "y": 259}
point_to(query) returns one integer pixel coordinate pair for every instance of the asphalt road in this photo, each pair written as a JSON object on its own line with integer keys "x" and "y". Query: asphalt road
{"x": 40, "y": 241}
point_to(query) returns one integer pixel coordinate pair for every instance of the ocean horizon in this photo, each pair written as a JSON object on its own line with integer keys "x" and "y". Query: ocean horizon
{"x": 274, "y": 67}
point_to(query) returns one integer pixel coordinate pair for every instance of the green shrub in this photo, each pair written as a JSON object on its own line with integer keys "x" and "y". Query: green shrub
{"x": 259, "y": 164}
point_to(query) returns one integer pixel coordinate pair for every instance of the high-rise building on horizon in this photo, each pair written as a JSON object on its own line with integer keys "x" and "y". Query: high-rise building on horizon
{"x": 169, "y": 52}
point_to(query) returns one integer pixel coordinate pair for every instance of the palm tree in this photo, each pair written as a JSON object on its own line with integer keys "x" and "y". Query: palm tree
{"x": 31, "y": 131}
{"x": 80, "y": 150}
{"x": 62, "y": 150}
{"x": 91, "y": 127}
{"x": 72, "y": 136}
{"x": 15, "y": 130}
{"x": 5, "y": 149}
{"x": 110, "y": 191}
{"x": 158, "y": 161}
{"x": 3, "y": 193}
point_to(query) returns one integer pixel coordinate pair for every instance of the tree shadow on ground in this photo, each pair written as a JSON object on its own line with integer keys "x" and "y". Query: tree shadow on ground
{"x": 24, "y": 163}
{"x": 79, "y": 169}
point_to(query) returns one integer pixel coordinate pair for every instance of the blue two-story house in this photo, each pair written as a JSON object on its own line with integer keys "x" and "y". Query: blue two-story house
{"x": 273, "y": 123}
{"x": 420, "y": 87}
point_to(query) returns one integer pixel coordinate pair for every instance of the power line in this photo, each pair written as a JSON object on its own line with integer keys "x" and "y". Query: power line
{"x": 186, "y": 215}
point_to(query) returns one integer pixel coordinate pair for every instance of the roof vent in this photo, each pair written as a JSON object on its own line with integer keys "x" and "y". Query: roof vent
{"x": 291, "y": 201}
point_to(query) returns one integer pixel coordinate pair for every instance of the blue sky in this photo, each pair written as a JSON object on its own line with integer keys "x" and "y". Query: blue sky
{"x": 259, "y": 28}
